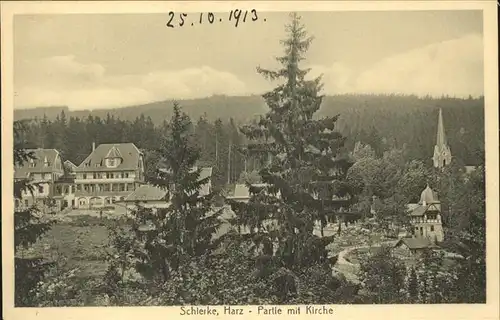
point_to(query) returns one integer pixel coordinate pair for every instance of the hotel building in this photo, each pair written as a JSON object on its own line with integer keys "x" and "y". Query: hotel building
{"x": 110, "y": 173}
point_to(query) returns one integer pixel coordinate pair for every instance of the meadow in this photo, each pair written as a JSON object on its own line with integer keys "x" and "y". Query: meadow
{"x": 77, "y": 242}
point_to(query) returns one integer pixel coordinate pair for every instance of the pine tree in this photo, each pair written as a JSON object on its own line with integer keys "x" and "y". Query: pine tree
{"x": 29, "y": 226}
{"x": 170, "y": 236}
{"x": 305, "y": 172}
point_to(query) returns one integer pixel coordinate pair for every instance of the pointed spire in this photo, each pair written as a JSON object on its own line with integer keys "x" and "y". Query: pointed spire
{"x": 441, "y": 137}
{"x": 442, "y": 153}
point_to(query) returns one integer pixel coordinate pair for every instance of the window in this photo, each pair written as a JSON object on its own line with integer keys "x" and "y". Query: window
{"x": 94, "y": 175}
{"x": 432, "y": 228}
{"x": 26, "y": 203}
{"x": 126, "y": 174}
{"x": 32, "y": 163}
{"x": 111, "y": 162}
{"x": 84, "y": 176}
{"x": 40, "y": 189}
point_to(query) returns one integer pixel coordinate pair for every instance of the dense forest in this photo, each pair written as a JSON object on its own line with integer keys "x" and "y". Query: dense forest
{"x": 382, "y": 121}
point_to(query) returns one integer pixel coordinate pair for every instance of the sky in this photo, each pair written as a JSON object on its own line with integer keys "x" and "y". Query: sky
{"x": 89, "y": 61}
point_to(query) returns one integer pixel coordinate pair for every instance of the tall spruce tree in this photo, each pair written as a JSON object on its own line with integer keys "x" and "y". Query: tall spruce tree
{"x": 29, "y": 226}
{"x": 170, "y": 236}
{"x": 304, "y": 175}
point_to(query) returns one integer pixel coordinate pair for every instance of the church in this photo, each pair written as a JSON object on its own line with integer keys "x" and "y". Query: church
{"x": 425, "y": 216}
{"x": 442, "y": 152}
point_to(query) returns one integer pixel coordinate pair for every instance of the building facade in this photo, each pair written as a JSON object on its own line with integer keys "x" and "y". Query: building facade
{"x": 425, "y": 217}
{"x": 109, "y": 174}
{"x": 42, "y": 171}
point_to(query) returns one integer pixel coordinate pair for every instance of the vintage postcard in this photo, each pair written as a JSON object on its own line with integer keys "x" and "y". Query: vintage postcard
{"x": 250, "y": 159}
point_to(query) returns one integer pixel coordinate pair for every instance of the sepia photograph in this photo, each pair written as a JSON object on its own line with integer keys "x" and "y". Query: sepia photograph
{"x": 248, "y": 157}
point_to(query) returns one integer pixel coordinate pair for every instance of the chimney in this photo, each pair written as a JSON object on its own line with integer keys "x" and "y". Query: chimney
{"x": 93, "y": 146}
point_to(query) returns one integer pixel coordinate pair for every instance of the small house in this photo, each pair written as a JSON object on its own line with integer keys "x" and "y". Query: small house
{"x": 407, "y": 247}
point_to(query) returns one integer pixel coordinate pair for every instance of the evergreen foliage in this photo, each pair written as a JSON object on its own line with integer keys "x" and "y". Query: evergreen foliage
{"x": 304, "y": 178}
{"x": 165, "y": 239}
{"x": 29, "y": 226}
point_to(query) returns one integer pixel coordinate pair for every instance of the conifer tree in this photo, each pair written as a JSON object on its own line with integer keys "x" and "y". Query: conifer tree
{"x": 29, "y": 226}
{"x": 169, "y": 237}
{"x": 305, "y": 172}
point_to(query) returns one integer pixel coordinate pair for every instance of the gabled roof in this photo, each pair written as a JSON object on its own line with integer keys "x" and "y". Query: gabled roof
{"x": 128, "y": 152}
{"x": 241, "y": 191}
{"x": 41, "y": 155}
{"x": 147, "y": 193}
{"x": 70, "y": 164}
{"x": 412, "y": 206}
{"x": 205, "y": 173}
{"x": 416, "y": 243}
{"x": 419, "y": 211}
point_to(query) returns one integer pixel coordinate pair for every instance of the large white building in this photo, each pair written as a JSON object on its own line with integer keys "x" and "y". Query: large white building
{"x": 109, "y": 174}
{"x": 42, "y": 171}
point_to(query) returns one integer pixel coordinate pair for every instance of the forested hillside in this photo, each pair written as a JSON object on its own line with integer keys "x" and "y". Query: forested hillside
{"x": 383, "y": 121}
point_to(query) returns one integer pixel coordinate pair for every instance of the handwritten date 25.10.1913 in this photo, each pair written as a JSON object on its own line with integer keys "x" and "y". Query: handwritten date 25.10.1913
{"x": 236, "y": 16}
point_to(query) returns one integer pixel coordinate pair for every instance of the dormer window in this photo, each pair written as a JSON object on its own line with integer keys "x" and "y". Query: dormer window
{"x": 113, "y": 158}
{"x": 32, "y": 163}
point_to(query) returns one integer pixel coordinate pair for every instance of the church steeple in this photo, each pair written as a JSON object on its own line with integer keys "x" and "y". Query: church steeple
{"x": 442, "y": 152}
